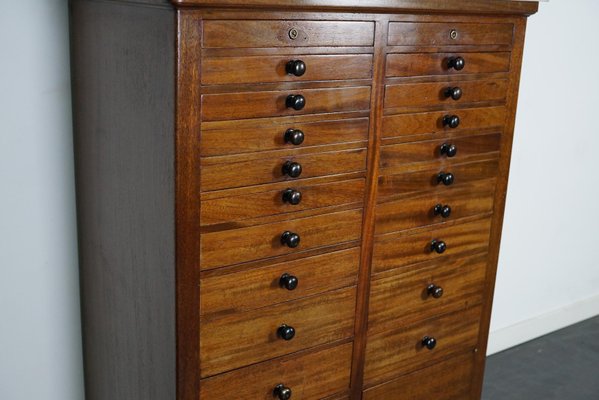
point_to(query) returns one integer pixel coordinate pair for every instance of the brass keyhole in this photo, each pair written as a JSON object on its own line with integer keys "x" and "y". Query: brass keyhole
{"x": 453, "y": 34}
{"x": 293, "y": 34}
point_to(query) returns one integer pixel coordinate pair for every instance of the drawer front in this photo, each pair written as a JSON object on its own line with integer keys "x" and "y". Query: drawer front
{"x": 421, "y": 181}
{"x": 247, "y": 172}
{"x": 253, "y": 69}
{"x": 422, "y": 64}
{"x": 432, "y": 122}
{"x": 418, "y": 211}
{"x": 393, "y": 354}
{"x": 449, "y": 34}
{"x": 448, "y": 380}
{"x": 397, "y": 251}
{"x": 405, "y": 297}
{"x": 432, "y": 150}
{"x": 269, "y": 33}
{"x": 434, "y": 94}
{"x": 265, "y": 286}
{"x": 264, "y": 241}
{"x": 240, "y": 207}
{"x": 217, "y": 107}
{"x": 242, "y": 339}
{"x": 263, "y": 135}
{"x": 310, "y": 376}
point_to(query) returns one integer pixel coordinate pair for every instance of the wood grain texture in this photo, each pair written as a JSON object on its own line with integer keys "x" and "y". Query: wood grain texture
{"x": 414, "y": 64}
{"x": 311, "y": 375}
{"x": 125, "y": 197}
{"x": 263, "y": 241}
{"x": 241, "y": 339}
{"x": 397, "y": 251}
{"x": 400, "y": 298}
{"x": 417, "y": 211}
{"x": 433, "y": 94}
{"x": 245, "y": 137}
{"x": 448, "y": 380}
{"x": 268, "y": 33}
{"x": 255, "y": 69}
{"x": 260, "y": 287}
{"x": 455, "y": 333}
{"x": 226, "y": 106}
{"x": 439, "y": 34}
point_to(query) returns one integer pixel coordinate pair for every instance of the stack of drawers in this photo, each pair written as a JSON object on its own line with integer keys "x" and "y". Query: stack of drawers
{"x": 283, "y": 151}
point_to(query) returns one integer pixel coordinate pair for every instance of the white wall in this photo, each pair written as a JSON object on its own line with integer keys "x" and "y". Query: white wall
{"x": 40, "y": 345}
{"x": 549, "y": 266}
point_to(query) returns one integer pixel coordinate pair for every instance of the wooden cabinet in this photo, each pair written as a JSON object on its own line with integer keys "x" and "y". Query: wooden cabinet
{"x": 291, "y": 198}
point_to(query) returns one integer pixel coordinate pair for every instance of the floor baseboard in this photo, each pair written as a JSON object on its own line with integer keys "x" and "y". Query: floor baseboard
{"x": 533, "y": 328}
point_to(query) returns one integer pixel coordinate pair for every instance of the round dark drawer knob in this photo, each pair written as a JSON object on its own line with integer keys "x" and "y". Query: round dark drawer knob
{"x": 288, "y": 281}
{"x": 282, "y": 392}
{"x": 292, "y": 196}
{"x": 438, "y": 246}
{"x": 445, "y": 178}
{"x": 453, "y": 92}
{"x": 452, "y": 121}
{"x": 435, "y": 291}
{"x": 450, "y": 150}
{"x": 294, "y": 136}
{"x": 286, "y": 332}
{"x": 297, "y": 102}
{"x": 457, "y": 63}
{"x": 442, "y": 210}
{"x": 290, "y": 239}
{"x": 292, "y": 169}
{"x": 296, "y": 67}
{"x": 429, "y": 342}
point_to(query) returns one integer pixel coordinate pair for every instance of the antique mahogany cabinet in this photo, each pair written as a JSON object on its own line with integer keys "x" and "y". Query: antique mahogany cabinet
{"x": 291, "y": 198}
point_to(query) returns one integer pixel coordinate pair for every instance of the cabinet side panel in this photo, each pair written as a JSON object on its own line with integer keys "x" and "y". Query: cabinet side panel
{"x": 123, "y": 69}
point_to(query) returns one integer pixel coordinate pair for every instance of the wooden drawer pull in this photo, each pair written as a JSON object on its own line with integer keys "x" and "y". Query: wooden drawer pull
{"x": 292, "y": 169}
{"x": 453, "y": 92}
{"x": 288, "y": 281}
{"x": 295, "y": 101}
{"x": 294, "y": 136}
{"x": 282, "y": 392}
{"x": 438, "y": 246}
{"x": 457, "y": 63}
{"x": 290, "y": 239}
{"x": 434, "y": 290}
{"x": 445, "y": 178}
{"x": 442, "y": 210}
{"x": 286, "y": 332}
{"x": 292, "y": 196}
{"x": 450, "y": 150}
{"x": 451, "y": 121}
{"x": 296, "y": 67}
{"x": 429, "y": 342}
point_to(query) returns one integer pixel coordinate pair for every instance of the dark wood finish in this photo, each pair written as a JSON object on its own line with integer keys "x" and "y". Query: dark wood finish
{"x": 439, "y": 34}
{"x": 125, "y": 197}
{"x": 455, "y": 333}
{"x": 263, "y": 241}
{"x": 260, "y": 287}
{"x": 311, "y": 375}
{"x": 217, "y": 107}
{"x": 411, "y": 64}
{"x": 448, "y": 380}
{"x": 254, "y": 69}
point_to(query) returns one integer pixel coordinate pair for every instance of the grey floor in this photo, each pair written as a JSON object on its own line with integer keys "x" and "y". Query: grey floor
{"x": 563, "y": 365}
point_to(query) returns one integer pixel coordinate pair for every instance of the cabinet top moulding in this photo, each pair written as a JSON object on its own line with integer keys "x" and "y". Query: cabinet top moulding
{"x": 506, "y": 7}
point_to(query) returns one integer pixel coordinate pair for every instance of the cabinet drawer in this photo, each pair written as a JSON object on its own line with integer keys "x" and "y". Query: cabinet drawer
{"x": 397, "y": 251}
{"x": 216, "y": 107}
{"x": 269, "y": 33}
{"x": 392, "y": 354}
{"x": 239, "y": 207}
{"x": 253, "y": 69}
{"x": 266, "y": 134}
{"x": 264, "y": 241}
{"x": 448, "y": 380}
{"x": 434, "y": 94}
{"x": 265, "y": 286}
{"x": 309, "y": 376}
{"x": 246, "y": 338}
{"x": 433, "y": 122}
{"x": 419, "y": 211}
{"x": 402, "y": 297}
{"x": 449, "y": 34}
{"x": 413, "y": 182}
{"x": 246, "y": 172}
{"x": 422, "y": 64}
